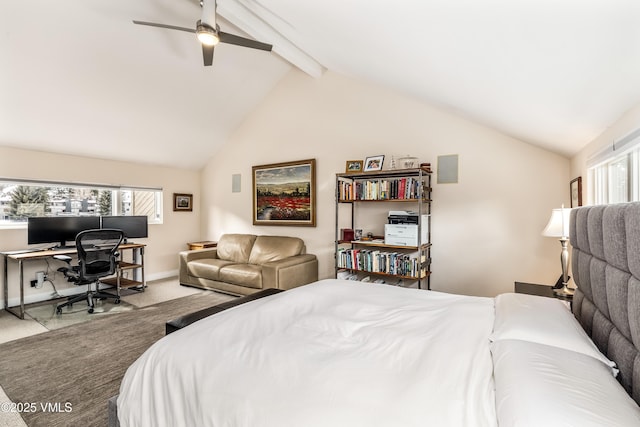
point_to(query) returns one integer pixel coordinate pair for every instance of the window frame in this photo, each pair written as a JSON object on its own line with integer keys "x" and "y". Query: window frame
{"x": 603, "y": 181}
{"x": 157, "y": 210}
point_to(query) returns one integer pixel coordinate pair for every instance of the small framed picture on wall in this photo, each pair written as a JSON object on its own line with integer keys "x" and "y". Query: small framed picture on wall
{"x": 575, "y": 187}
{"x": 182, "y": 202}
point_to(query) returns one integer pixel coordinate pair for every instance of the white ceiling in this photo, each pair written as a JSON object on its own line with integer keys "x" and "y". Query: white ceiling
{"x": 79, "y": 77}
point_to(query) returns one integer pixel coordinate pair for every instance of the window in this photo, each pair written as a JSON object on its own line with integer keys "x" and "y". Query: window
{"x": 22, "y": 199}
{"x": 613, "y": 174}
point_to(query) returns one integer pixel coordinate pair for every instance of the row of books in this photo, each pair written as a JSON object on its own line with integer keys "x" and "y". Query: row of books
{"x": 375, "y": 261}
{"x": 379, "y": 189}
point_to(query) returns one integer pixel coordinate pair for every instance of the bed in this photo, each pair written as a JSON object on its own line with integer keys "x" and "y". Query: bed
{"x": 342, "y": 353}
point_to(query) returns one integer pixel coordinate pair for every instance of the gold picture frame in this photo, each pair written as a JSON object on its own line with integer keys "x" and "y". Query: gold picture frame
{"x": 354, "y": 166}
{"x": 285, "y": 193}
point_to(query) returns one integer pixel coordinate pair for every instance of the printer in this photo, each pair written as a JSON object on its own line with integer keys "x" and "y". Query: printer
{"x": 402, "y": 228}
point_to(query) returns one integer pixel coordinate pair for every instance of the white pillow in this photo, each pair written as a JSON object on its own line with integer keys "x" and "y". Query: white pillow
{"x": 545, "y": 321}
{"x": 540, "y": 385}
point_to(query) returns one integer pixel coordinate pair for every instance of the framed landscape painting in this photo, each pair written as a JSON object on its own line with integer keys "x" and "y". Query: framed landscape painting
{"x": 285, "y": 193}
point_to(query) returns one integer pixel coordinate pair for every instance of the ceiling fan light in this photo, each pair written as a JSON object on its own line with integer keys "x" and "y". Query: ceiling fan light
{"x": 207, "y": 35}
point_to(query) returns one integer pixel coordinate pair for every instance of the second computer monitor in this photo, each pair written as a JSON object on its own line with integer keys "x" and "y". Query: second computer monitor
{"x": 133, "y": 226}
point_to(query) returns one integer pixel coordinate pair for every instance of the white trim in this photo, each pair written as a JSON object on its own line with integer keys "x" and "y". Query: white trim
{"x": 627, "y": 142}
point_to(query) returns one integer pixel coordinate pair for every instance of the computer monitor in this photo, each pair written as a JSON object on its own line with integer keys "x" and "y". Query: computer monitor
{"x": 58, "y": 229}
{"x": 133, "y": 226}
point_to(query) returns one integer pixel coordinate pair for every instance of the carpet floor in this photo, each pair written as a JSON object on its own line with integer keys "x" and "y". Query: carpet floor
{"x": 69, "y": 374}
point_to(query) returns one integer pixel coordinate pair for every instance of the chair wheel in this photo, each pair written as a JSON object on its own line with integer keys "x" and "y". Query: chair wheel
{"x": 90, "y": 310}
{"x": 116, "y": 301}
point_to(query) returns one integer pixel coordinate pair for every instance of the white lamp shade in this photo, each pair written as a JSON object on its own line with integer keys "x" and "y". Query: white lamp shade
{"x": 558, "y": 225}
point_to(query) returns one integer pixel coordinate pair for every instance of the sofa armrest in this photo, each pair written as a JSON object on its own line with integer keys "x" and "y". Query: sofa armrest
{"x": 290, "y": 272}
{"x": 185, "y": 256}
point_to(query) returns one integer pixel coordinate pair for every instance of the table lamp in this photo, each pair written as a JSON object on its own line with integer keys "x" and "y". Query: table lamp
{"x": 558, "y": 226}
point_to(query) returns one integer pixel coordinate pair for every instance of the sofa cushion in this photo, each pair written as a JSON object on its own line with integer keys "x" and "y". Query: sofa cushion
{"x": 274, "y": 248}
{"x": 235, "y": 247}
{"x": 248, "y": 275}
{"x": 207, "y": 268}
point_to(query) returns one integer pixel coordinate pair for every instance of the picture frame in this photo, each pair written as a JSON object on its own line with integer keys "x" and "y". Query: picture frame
{"x": 182, "y": 202}
{"x": 575, "y": 190}
{"x": 285, "y": 193}
{"x": 373, "y": 163}
{"x": 354, "y": 166}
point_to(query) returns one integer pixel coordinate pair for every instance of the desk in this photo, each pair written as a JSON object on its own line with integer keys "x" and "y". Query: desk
{"x": 20, "y": 257}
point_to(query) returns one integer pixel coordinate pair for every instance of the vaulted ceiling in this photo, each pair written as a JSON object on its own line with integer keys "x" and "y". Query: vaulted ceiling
{"x": 81, "y": 78}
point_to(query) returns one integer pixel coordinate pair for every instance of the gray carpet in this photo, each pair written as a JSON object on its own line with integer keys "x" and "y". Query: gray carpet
{"x": 73, "y": 371}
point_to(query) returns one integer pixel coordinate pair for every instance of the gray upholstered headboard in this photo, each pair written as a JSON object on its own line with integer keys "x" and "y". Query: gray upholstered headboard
{"x": 606, "y": 267}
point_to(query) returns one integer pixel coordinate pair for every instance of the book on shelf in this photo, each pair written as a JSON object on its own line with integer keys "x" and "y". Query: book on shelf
{"x": 377, "y": 261}
{"x": 381, "y": 189}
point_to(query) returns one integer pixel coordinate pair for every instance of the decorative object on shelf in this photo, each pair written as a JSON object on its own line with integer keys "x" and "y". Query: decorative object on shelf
{"x": 285, "y": 193}
{"x": 426, "y": 166}
{"x": 575, "y": 187}
{"x": 558, "y": 226}
{"x": 354, "y": 166}
{"x": 373, "y": 163}
{"x": 347, "y": 234}
{"x": 182, "y": 202}
{"x": 358, "y": 234}
{"x": 408, "y": 162}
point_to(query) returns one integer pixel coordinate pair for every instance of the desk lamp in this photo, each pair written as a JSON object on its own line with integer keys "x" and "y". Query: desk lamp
{"x": 558, "y": 226}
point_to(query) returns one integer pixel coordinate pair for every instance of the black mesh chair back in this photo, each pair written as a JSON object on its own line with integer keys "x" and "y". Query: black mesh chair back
{"x": 97, "y": 258}
{"x": 98, "y": 252}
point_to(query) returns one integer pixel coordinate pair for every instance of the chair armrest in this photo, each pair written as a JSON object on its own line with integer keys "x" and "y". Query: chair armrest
{"x": 185, "y": 256}
{"x": 65, "y": 258}
{"x": 199, "y": 254}
{"x": 290, "y": 272}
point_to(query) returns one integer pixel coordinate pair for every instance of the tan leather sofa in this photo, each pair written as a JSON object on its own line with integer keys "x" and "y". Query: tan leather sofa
{"x": 244, "y": 263}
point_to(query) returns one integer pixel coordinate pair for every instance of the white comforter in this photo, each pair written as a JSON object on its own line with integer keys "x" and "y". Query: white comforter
{"x": 330, "y": 354}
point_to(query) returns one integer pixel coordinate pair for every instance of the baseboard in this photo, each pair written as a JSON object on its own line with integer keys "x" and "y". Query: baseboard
{"x": 67, "y": 292}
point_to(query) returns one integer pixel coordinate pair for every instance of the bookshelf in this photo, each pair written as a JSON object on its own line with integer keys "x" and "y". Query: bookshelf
{"x": 408, "y": 262}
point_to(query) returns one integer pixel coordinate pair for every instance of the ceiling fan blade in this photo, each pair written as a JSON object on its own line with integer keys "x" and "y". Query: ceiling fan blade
{"x": 241, "y": 41}
{"x": 170, "y": 27}
{"x": 207, "y": 55}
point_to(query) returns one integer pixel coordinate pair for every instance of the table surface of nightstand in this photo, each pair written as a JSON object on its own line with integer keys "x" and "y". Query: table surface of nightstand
{"x": 202, "y": 245}
{"x": 540, "y": 290}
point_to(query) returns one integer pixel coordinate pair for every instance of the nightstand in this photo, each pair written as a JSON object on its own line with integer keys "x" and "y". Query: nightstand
{"x": 540, "y": 290}
{"x": 202, "y": 245}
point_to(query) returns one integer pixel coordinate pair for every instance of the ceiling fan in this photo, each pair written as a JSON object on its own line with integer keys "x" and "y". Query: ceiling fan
{"x": 209, "y": 34}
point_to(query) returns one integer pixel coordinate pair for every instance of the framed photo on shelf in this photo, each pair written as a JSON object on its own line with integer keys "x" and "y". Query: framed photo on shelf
{"x": 354, "y": 166}
{"x": 182, "y": 202}
{"x": 373, "y": 163}
{"x": 575, "y": 188}
{"x": 285, "y": 193}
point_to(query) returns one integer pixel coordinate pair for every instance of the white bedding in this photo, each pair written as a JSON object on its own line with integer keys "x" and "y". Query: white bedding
{"x": 334, "y": 353}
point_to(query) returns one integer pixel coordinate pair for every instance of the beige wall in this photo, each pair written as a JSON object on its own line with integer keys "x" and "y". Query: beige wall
{"x": 486, "y": 229}
{"x": 164, "y": 241}
{"x": 629, "y": 122}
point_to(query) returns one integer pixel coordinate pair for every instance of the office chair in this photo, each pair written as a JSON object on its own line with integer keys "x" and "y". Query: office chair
{"x": 97, "y": 258}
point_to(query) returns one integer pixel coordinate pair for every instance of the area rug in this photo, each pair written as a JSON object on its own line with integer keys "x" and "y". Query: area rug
{"x": 67, "y": 375}
{"x": 46, "y": 314}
